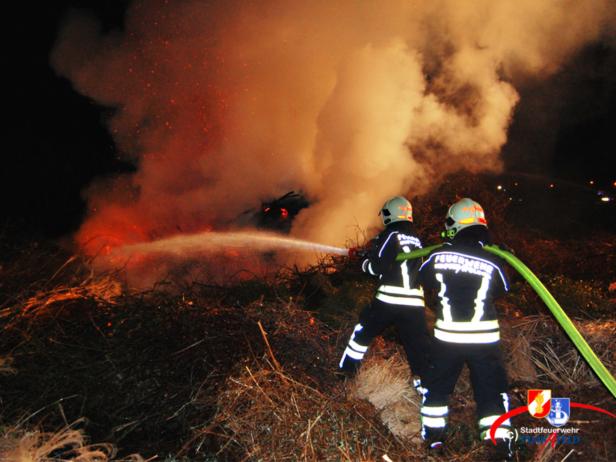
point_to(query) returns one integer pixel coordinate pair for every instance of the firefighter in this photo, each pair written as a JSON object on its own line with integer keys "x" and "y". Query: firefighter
{"x": 399, "y": 300}
{"x": 466, "y": 279}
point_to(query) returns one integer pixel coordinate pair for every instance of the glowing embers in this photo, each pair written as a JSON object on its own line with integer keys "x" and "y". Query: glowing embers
{"x": 102, "y": 289}
{"x": 279, "y": 213}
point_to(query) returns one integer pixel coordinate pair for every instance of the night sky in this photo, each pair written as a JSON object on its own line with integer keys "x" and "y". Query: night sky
{"x": 60, "y": 142}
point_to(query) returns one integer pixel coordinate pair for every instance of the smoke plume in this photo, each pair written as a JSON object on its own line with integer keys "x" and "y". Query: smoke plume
{"x": 225, "y": 104}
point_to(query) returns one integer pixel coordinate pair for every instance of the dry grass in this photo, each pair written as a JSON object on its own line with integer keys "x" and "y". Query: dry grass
{"x": 385, "y": 383}
{"x": 265, "y": 414}
{"x": 67, "y": 444}
{"x": 268, "y": 413}
{"x": 541, "y": 352}
{"x": 521, "y": 365}
{"x": 33, "y": 289}
{"x": 102, "y": 289}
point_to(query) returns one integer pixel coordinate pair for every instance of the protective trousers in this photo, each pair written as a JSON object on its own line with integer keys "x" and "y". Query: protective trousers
{"x": 488, "y": 378}
{"x": 410, "y": 322}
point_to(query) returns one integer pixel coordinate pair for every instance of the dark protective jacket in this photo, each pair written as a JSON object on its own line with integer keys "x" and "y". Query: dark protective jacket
{"x": 398, "y": 279}
{"x": 467, "y": 278}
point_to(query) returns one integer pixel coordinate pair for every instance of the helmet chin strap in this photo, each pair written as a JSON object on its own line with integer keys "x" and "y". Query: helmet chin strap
{"x": 448, "y": 234}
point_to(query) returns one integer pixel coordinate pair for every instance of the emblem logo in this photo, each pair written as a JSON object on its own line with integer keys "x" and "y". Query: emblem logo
{"x": 539, "y": 402}
{"x": 560, "y": 411}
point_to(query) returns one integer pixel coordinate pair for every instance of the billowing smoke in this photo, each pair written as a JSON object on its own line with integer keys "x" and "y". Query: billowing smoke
{"x": 224, "y": 104}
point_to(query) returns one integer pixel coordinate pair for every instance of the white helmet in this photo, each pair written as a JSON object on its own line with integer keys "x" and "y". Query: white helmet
{"x": 396, "y": 209}
{"x": 464, "y": 213}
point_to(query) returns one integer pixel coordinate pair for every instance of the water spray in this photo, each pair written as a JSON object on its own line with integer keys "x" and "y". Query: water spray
{"x": 565, "y": 322}
{"x": 215, "y": 242}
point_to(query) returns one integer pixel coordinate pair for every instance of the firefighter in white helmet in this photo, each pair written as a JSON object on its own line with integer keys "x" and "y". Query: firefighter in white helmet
{"x": 399, "y": 299}
{"x": 466, "y": 279}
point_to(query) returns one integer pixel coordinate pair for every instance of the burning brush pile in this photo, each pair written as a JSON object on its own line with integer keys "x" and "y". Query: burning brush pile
{"x": 93, "y": 371}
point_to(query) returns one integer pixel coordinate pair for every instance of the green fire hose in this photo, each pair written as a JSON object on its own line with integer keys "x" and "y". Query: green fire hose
{"x": 586, "y": 351}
